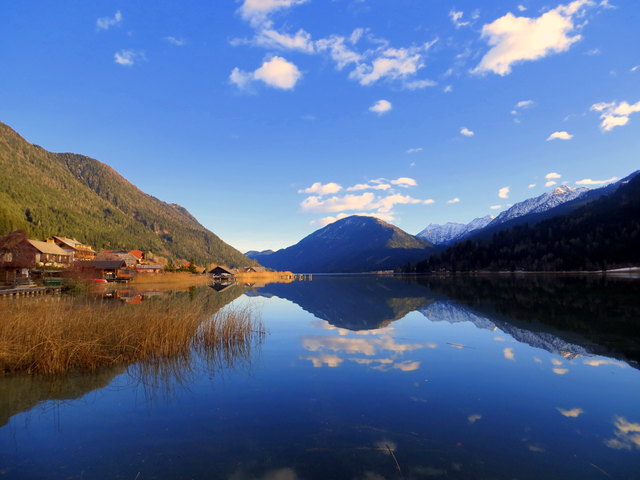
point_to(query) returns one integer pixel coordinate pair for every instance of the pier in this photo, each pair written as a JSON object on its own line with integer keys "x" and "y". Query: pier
{"x": 30, "y": 291}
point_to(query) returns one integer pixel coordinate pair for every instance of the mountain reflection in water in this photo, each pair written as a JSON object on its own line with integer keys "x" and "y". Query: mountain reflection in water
{"x": 568, "y": 316}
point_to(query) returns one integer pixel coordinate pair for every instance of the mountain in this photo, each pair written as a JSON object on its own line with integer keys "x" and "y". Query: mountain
{"x": 599, "y": 235}
{"x": 353, "y": 244}
{"x": 452, "y": 232}
{"x": 256, "y": 255}
{"x": 539, "y": 204}
{"x": 72, "y": 195}
{"x": 560, "y": 201}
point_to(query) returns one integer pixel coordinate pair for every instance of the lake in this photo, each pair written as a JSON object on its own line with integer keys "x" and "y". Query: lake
{"x": 363, "y": 378}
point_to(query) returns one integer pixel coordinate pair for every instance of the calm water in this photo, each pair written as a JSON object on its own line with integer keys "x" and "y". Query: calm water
{"x": 363, "y": 378}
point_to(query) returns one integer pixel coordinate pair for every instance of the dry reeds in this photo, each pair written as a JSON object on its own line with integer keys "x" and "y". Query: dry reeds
{"x": 171, "y": 279}
{"x": 59, "y": 335}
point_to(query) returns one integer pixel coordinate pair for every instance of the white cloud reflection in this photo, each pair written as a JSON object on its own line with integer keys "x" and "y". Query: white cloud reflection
{"x": 627, "y": 435}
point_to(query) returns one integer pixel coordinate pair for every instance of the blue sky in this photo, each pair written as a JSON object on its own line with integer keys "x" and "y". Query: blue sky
{"x": 270, "y": 118}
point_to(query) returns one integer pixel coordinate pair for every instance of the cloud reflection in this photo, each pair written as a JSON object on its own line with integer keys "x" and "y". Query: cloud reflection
{"x": 320, "y": 361}
{"x": 604, "y": 361}
{"x": 474, "y": 418}
{"x": 627, "y": 435}
{"x": 508, "y": 354}
{"x": 573, "y": 413}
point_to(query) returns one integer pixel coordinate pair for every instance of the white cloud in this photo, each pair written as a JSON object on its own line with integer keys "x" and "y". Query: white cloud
{"x": 314, "y": 204}
{"x": 593, "y": 51}
{"x": 552, "y": 175}
{"x": 456, "y": 19}
{"x": 466, "y": 132}
{"x": 559, "y": 136}
{"x": 105, "y": 23}
{"x": 322, "y": 189}
{"x": 633, "y": 69}
{"x": 588, "y": 181}
{"x": 508, "y": 354}
{"x": 391, "y": 64}
{"x": 381, "y": 106}
{"x": 276, "y": 72}
{"x": 177, "y": 41}
{"x": 257, "y": 11}
{"x": 522, "y": 8}
{"x": 495, "y": 207}
{"x": 504, "y": 192}
{"x": 517, "y": 39}
{"x": 615, "y": 115}
{"x": 454, "y": 200}
{"x": 369, "y": 186}
{"x": 531, "y": 185}
{"x": 414, "y": 150}
{"x": 338, "y": 50}
{"x": 525, "y": 104}
{"x": 404, "y": 182}
{"x": 550, "y": 183}
{"x": 418, "y": 84}
{"x": 447, "y": 89}
{"x": 127, "y": 58}
{"x": 270, "y": 38}
{"x": 386, "y": 204}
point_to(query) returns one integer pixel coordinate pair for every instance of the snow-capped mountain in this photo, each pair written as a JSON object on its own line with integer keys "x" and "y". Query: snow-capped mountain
{"x": 452, "y": 232}
{"x": 544, "y": 202}
{"x": 447, "y": 311}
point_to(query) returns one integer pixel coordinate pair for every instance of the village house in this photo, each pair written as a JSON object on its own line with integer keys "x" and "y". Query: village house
{"x": 78, "y": 250}
{"x": 223, "y": 272}
{"x": 110, "y": 270}
{"x": 144, "y": 268}
{"x": 18, "y": 255}
{"x": 124, "y": 255}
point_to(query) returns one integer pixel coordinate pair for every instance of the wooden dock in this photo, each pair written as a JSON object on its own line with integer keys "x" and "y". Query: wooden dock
{"x": 30, "y": 291}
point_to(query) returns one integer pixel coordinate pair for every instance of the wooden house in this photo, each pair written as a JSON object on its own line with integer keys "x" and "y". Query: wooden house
{"x": 18, "y": 255}
{"x": 223, "y": 272}
{"x": 110, "y": 270}
{"x": 78, "y": 250}
{"x": 123, "y": 255}
{"x": 143, "y": 268}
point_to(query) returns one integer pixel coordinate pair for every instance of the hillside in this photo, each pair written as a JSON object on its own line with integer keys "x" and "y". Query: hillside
{"x": 66, "y": 194}
{"x": 353, "y": 244}
{"x": 599, "y": 235}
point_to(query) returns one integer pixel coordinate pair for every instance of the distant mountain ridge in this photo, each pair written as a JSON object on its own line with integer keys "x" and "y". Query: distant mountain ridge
{"x": 352, "y": 244}
{"x": 561, "y": 200}
{"x": 73, "y": 195}
{"x": 452, "y": 232}
{"x": 599, "y": 234}
{"x": 256, "y": 255}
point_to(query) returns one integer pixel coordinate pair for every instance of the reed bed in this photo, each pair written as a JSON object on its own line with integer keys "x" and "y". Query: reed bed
{"x": 53, "y": 336}
{"x": 184, "y": 279}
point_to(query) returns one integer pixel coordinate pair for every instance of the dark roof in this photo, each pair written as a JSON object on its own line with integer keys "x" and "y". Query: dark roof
{"x": 220, "y": 269}
{"x": 145, "y": 267}
{"x": 103, "y": 264}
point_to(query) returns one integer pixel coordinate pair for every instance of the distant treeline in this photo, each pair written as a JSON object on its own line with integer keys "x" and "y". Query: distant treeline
{"x": 603, "y": 234}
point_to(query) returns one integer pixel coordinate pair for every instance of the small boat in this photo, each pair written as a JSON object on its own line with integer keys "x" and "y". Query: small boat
{"x": 98, "y": 280}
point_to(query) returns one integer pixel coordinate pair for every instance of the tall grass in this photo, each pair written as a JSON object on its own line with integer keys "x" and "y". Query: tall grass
{"x": 59, "y": 335}
{"x": 171, "y": 278}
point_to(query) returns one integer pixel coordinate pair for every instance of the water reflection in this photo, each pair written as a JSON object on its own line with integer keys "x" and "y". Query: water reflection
{"x": 156, "y": 374}
{"x": 571, "y": 317}
{"x": 373, "y": 378}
